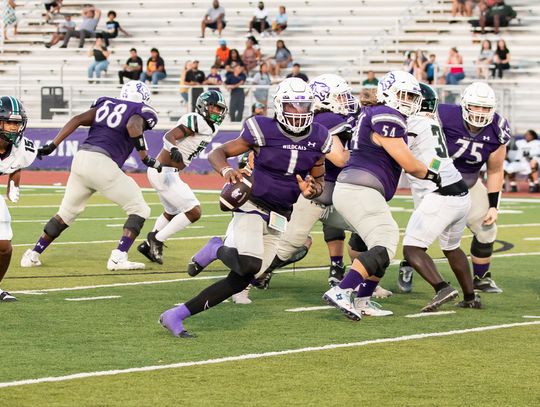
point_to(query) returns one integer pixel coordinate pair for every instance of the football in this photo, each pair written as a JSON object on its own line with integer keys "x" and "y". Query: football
{"x": 235, "y": 195}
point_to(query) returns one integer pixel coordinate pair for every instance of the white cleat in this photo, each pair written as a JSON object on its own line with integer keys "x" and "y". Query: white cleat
{"x": 6, "y": 297}
{"x": 242, "y": 297}
{"x": 370, "y": 308}
{"x": 381, "y": 292}
{"x": 30, "y": 258}
{"x": 119, "y": 261}
{"x": 342, "y": 300}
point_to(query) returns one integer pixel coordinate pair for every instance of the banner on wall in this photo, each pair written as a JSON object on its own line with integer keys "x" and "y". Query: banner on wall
{"x": 61, "y": 158}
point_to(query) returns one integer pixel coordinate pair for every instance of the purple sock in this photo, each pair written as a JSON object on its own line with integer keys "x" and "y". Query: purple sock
{"x": 183, "y": 312}
{"x": 337, "y": 260}
{"x": 41, "y": 245}
{"x": 351, "y": 280}
{"x": 480, "y": 270}
{"x": 366, "y": 288}
{"x": 125, "y": 243}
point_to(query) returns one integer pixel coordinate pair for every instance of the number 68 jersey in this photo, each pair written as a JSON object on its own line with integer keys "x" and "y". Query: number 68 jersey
{"x": 108, "y": 133}
{"x": 20, "y": 156}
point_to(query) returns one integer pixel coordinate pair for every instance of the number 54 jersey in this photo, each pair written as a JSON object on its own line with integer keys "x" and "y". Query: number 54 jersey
{"x": 108, "y": 133}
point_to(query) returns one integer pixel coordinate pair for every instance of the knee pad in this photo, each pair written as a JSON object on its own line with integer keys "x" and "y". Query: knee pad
{"x": 481, "y": 250}
{"x": 375, "y": 261}
{"x": 53, "y": 228}
{"x": 332, "y": 233}
{"x": 249, "y": 265}
{"x": 134, "y": 223}
{"x": 356, "y": 243}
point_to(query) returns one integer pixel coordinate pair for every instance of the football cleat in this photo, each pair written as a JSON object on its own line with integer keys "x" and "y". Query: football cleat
{"x": 342, "y": 300}
{"x": 370, "y": 308}
{"x": 381, "y": 292}
{"x": 242, "y": 297}
{"x": 144, "y": 249}
{"x": 171, "y": 321}
{"x": 30, "y": 258}
{"x": 335, "y": 274}
{"x": 476, "y": 303}
{"x": 486, "y": 285}
{"x": 204, "y": 257}
{"x": 442, "y": 296}
{"x": 119, "y": 261}
{"x": 156, "y": 248}
{"x": 263, "y": 282}
{"x": 405, "y": 277}
{"x": 6, "y": 297}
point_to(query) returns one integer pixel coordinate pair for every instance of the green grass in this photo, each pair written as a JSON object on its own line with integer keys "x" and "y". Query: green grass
{"x": 45, "y": 335}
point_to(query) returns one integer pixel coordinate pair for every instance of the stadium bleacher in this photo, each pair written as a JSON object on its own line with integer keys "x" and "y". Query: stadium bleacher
{"x": 346, "y": 37}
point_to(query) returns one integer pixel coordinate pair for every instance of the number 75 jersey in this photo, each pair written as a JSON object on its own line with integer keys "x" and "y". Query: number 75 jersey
{"x": 108, "y": 133}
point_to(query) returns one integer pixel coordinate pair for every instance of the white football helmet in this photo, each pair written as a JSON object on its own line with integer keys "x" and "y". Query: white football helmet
{"x": 479, "y": 95}
{"x": 293, "y": 104}
{"x": 135, "y": 91}
{"x": 333, "y": 93}
{"x": 401, "y": 91}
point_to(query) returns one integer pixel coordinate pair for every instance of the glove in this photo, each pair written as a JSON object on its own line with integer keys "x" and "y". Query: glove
{"x": 46, "y": 150}
{"x": 14, "y": 192}
{"x": 152, "y": 163}
{"x": 433, "y": 177}
{"x": 176, "y": 156}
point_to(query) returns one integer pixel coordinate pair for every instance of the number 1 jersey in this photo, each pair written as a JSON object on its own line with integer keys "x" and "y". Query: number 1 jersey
{"x": 108, "y": 133}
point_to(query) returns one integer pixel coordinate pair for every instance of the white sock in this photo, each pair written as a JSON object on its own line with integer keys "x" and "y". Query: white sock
{"x": 161, "y": 222}
{"x": 178, "y": 223}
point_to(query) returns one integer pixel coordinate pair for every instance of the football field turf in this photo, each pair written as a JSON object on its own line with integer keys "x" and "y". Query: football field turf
{"x": 108, "y": 349}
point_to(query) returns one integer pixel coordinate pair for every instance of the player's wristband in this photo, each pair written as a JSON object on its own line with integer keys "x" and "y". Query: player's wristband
{"x": 140, "y": 144}
{"x": 225, "y": 170}
{"x": 494, "y": 199}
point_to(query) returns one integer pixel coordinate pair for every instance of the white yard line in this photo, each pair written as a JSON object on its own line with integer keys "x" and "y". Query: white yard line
{"x": 532, "y": 316}
{"x": 251, "y": 356}
{"x": 429, "y": 314}
{"x": 104, "y": 297}
{"x": 307, "y": 309}
{"x": 531, "y": 238}
{"x": 215, "y": 215}
{"x": 100, "y": 205}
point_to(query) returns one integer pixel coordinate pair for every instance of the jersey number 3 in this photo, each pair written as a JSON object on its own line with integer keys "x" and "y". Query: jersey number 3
{"x": 441, "y": 149}
{"x": 113, "y": 117}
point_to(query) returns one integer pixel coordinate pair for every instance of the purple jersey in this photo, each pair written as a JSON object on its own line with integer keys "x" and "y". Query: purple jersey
{"x": 335, "y": 123}
{"x": 370, "y": 164}
{"x": 108, "y": 133}
{"x": 278, "y": 158}
{"x": 471, "y": 151}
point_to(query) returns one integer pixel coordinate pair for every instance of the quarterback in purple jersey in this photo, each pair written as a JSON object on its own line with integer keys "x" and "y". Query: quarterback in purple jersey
{"x": 368, "y": 181}
{"x": 289, "y": 162}
{"x": 477, "y": 135}
{"x": 116, "y": 126}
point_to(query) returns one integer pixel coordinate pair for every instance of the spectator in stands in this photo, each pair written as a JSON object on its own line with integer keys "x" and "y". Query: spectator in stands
{"x": 233, "y": 81}
{"x": 222, "y": 54}
{"x": 258, "y": 109}
{"x": 112, "y": 28}
{"x": 431, "y": 68}
{"x": 9, "y": 17}
{"x": 63, "y": 28}
{"x": 295, "y": 73}
{"x": 184, "y": 91}
{"x": 410, "y": 57}
{"x": 280, "y": 23}
{"x": 261, "y": 78}
{"x": 458, "y": 6}
{"x": 233, "y": 60}
{"x": 155, "y": 68}
{"x": 371, "y": 80}
{"x": 282, "y": 59}
{"x": 132, "y": 68}
{"x": 52, "y": 7}
{"x": 454, "y": 72}
{"x": 251, "y": 57}
{"x": 498, "y": 15}
{"x": 501, "y": 60}
{"x": 419, "y": 66}
{"x": 87, "y": 28}
{"x": 259, "y": 22}
{"x": 213, "y": 78}
{"x": 485, "y": 59}
{"x": 100, "y": 64}
{"x": 214, "y": 18}
{"x": 195, "y": 77}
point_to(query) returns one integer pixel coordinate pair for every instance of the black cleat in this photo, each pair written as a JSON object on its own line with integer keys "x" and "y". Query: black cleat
{"x": 486, "y": 284}
{"x": 336, "y": 274}
{"x": 405, "y": 277}
{"x": 263, "y": 282}
{"x": 194, "y": 268}
{"x": 6, "y": 297}
{"x": 476, "y": 303}
{"x": 155, "y": 248}
{"x": 443, "y": 295}
{"x": 144, "y": 249}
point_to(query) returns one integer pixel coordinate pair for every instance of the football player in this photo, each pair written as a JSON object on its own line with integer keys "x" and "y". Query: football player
{"x": 524, "y": 160}
{"x": 116, "y": 126}
{"x": 180, "y": 145}
{"x": 289, "y": 161}
{"x": 368, "y": 181}
{"x": 440, "y": 212}
{"x": 477, "y": 135}
{"x": 16, "y": 152}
